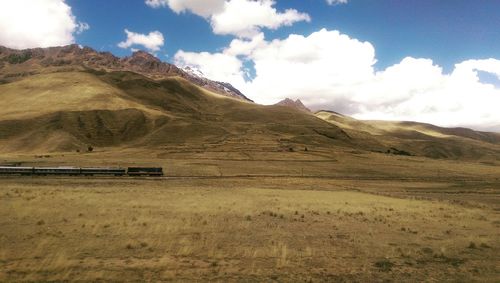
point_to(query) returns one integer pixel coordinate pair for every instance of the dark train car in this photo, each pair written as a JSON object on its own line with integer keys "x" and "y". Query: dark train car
{"x": 10, "y": 170}
{"x": 145, "y": 171}
{"x": 56, "y": 171}
{"x": 103, "y": 171}
{"x": 77, "y": 171}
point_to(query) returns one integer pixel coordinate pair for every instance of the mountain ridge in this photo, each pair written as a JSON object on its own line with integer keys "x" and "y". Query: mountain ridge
{"x": 65, "y": 98}
{"x": 17, "y": 63}
{"x": 418, "y": 138}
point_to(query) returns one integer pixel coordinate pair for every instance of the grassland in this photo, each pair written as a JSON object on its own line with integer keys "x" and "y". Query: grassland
{"x": 287, "y": 217}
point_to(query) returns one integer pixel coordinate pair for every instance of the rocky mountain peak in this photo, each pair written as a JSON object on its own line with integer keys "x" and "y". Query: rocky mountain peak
{"x": 297, "y": 104}
{"x": 193, "y": 71}
{"x": 143, "y": 55}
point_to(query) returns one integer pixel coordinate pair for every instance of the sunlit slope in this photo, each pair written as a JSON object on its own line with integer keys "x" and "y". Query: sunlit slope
{"x": 420, "y": 138}
{"x": 47, "y": 93}
{"x": 69, "y": 111}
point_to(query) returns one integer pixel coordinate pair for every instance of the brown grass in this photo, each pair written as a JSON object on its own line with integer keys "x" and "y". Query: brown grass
{"x": 238, "y": 229}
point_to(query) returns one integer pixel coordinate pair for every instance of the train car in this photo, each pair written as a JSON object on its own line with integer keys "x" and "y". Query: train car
{"x": 86, "y": 171}
{"x": 145, "y": 171}
{"x": 10, "y": 170}
{"x": 103, "y": 171}
{"x": 72, "y": 171}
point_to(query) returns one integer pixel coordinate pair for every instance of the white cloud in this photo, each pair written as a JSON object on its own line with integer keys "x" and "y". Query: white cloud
{"x": 416, "y": 89}
{"x": 217, "y": 66}
{"x": 37, "y": 23}
{"x": 245, "y": 47}
{"x": 204, "y": 8}
{"x": 245, "y": 18}
{"x": 242, "y": 18}
{"x": 156, "y": 3}
{"x": 330, "y": 70}
{"x": 152, "y": 41}
{"x": 336, "y": 2}
{"x": 81, "y": 27}
{"x": 300, "y": 66}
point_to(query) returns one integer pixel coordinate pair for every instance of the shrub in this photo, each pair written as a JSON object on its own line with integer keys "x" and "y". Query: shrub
{"x": 384, "y": 265}
{"x": 427, "y": 250}
{"x": 483, "y": 245}
{"x": 396, "y": 151}
{"x": 19, "y": 58}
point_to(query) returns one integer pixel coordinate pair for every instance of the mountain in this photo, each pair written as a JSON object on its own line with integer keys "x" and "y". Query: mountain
{"x": 64, "y": 99}
{"x": 56, "y": 109}
{"x": 19, "y": 63}
{"x": 227, "y": 87}
{"x": 297, "y": 104}
{"x": 412, "y": 138}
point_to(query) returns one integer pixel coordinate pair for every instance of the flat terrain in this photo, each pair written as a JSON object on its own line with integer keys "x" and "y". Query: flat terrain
{"x": 222, "y": 216}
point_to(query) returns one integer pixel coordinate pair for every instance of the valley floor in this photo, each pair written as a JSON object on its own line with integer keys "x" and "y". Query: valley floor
{"x": 244, "y": 229}
{"x": 275, "y": 223}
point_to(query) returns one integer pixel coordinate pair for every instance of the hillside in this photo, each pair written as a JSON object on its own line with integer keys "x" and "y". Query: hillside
{"x": 15, "y": 64}
{"x": 64, "y": 99}
{"x": 420, "y": 139}
{"x": 66, "y": 111}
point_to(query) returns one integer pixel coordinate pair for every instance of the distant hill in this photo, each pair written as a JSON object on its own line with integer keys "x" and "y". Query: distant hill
{"x": 66, "y": 98}
{"x": 419, "y": 138}
{"x": 297, "y": 104}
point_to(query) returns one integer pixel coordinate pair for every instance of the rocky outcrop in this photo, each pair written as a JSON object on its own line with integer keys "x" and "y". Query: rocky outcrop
{"x": 297, "y": 104}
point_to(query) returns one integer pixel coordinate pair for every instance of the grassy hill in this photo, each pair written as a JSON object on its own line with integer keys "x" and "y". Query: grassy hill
{"x": 65, "y": 111}
{"x": 412, "y": 138}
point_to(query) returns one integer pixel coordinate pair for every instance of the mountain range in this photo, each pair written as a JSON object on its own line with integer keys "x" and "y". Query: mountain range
{"x": 74, "y": 57}
{"x": 62, "y": 99}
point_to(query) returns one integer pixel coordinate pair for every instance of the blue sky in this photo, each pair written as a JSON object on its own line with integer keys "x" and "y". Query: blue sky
{"x": 435, "y": 61}
{"x": 446, "y": 31}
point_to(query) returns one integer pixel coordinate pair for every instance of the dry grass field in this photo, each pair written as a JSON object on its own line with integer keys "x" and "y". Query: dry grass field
{"x": 284, "y": 217}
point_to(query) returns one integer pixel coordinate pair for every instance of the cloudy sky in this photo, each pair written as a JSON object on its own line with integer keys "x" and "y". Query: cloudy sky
{"x": 423, "y": 60}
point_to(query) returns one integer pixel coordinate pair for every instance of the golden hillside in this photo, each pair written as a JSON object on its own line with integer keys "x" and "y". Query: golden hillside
{"x": 65, "y": 111}
{"x": 419, "y": 138}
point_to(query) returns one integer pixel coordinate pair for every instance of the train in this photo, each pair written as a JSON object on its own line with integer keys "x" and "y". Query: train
{"x": 82, "y": 171}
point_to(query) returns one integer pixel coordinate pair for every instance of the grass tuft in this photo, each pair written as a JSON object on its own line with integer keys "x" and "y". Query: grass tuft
{"x": 384, "y": 265}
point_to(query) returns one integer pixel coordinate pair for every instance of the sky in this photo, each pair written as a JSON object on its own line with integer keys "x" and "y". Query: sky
{"x": 434, "y": 61}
